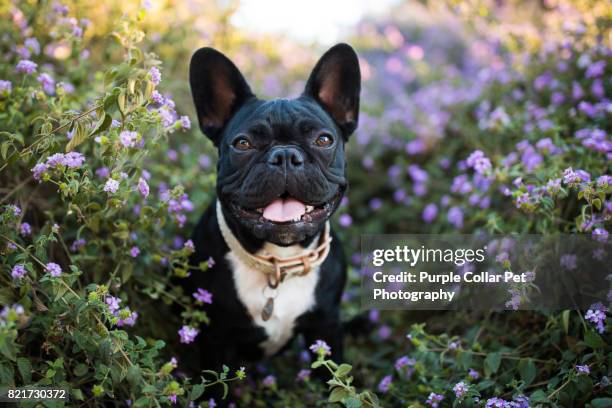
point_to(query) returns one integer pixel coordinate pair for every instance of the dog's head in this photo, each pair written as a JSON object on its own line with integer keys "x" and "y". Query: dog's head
{"x": 281, "y": 170}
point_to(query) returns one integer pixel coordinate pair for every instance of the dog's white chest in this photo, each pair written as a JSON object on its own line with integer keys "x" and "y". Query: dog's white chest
{"x": 295, "y": 296}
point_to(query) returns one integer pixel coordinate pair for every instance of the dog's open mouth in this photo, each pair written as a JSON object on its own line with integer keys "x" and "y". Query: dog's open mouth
{"x": 288, "y": 210}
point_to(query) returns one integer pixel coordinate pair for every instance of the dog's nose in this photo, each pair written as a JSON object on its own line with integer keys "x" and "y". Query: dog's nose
{"x": 286, "y": 156}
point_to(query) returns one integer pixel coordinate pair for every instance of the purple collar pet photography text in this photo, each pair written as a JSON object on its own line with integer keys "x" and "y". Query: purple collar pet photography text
{"x": 266, "y": 203}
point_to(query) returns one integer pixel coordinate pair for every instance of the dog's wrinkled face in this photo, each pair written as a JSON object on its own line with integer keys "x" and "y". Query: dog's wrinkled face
{"x": 281, "y": 171}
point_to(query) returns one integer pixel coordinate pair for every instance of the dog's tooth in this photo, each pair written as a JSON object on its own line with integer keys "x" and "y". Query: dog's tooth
{"x": 309, "y": 208}
{"x": 259, "y": 210}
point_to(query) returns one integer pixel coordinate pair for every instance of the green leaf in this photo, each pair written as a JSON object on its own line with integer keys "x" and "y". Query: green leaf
{"x": 7, "y": 347}
{"x": 343, "y": 370}
{"x": 352, "y": 402}
{"x": 77, "y": 394}
{"x": 143, "y": 402}
{"x": 491, "y": 363}
{"x": 538, "y": 396}
{"x": 133, "y": 375}
{"x": 316, "y": 364}
{"x": 102, "y": 124}
{"x": 338, "y": 394}
{"x": 594, "y": 340}
{"x": 80, "y": 135}
{"x": 527, "y": 370}
{"x": 565, "y": 319}
{"x": 80, "y": 370}
{"x": 601, "y": 403}
{"x": 25, "y": 369}
{"x": 196, "y": 392}
{"x": 7, "y": 374}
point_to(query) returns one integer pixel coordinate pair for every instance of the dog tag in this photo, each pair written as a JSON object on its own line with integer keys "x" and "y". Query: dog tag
{"x": 268, "y": 309}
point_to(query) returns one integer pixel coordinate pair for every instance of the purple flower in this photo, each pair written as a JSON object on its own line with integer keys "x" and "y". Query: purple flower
{"x": 103, "y": 172}
{"x": 385, "y": 384}
{"x": 54, "y": 269}
{"x": 269, "y": 381}
{"x": 321, "y": 348}
{"x": 521, "y": 401}
{"x": 113, "y": 303}
{"x": 73, "y": 160}
{"x": 604, "y": 181}
{"x": 460, "y": 389}
{"x": 515, "y": 299}
{"x": 134, "y": 251}
{"x": 434, "y": 399}
{"x": 496, "y": 402}
{"x": 128, "y": 138}
{"x": 155, "y": 75}
{"x": 26, "y": 67}
{"x": 157, "y": 98}
{"x": 32, "y": 45}
{"x": 129, "y": 320}
{"x": 473, "y": 374}
{"x": 557, "y": 98}
{"x": 600, "y": 234}
{"x": 569, "y": 261}
{"x": 303, "y": 375}
{"x": 47, "y": 82}
{"x": 417, "y": 174}
{"x": 569, "y": 176}
{"x": 5, "y": 88}
{"x": 25, "y": 229}
{"x": 577, "y": 92}
{"x": 384, "y": 332}
{"x": 403, "y": 362}
{"x": 188, "y": 334}
{"x": 18, "y": 271}
{"x": 461, "y": 184}
{"x": 189, "y": 245}
{"x": 202, "y": 295}
{"x": 111, "y": 186}
{"x": 184, "y": 123}
{"x": 596, "y": 69}
{"x": 172, "y": 398}
{"x": 204, "y": 161}
{"x": 345, "y": 220}
{"x": 455, "y": 217}
{"x": 583, "y": 369}
{"x": 143, "y": 187}
{"x": 166, "y": 115}
{"x": 38, "y": 170}
{"x": 597, "y": 315}
{"x": 430, "y": 212}
{"x": 479, "y": 162}
{"x": 210, "y": 261}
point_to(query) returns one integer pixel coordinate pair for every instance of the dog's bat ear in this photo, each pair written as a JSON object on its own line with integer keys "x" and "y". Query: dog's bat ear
{"x": 335, "y": 83}
{"x": 218, "y": 90}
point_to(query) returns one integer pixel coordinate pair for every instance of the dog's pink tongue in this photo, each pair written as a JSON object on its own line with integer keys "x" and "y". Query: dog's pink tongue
{"x": 281, "y": 210}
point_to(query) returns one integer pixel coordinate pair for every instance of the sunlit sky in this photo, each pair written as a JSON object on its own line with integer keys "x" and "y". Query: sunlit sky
{"x": 307, "y": 20}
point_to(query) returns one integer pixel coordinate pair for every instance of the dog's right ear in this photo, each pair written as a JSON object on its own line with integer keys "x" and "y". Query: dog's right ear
{"x": 218, "y": 90}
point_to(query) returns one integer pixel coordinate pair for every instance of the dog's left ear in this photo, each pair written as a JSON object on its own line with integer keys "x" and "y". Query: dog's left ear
{"x": 335, "y": 83}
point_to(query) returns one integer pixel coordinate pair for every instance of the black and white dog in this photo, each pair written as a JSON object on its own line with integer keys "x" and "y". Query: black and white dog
{"x": 279, "y": 271}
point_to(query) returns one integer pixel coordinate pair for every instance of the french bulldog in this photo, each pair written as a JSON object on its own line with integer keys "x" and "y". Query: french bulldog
{"x": 281, "y": 175}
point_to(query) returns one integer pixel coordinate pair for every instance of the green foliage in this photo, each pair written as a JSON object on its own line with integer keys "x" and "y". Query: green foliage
{"x": 101, "y": 177}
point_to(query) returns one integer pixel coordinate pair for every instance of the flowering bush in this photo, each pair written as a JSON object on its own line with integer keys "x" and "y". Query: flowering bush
{"x": 469, "y": 123}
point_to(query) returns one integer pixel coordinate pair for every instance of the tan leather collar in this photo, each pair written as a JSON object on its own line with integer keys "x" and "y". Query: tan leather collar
{"x": 276, "y": 268}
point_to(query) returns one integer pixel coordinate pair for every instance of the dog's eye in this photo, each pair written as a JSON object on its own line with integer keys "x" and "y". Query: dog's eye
{"x": 324, "y": 140}
{"x": 242, "y": 143}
